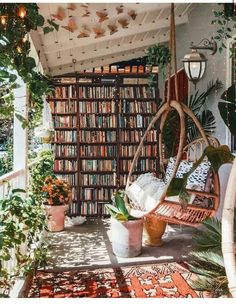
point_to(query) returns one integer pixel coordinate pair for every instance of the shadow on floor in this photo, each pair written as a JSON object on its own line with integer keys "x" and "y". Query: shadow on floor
{"x": 88, "y": 246}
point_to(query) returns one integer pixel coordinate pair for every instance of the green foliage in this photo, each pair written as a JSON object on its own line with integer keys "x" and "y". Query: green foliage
{"x": 39, "y": 171}
{"x": 6, "y": 161}
{"x": 118, "y": 210}
{"x": 14, "y": 55}
{"x": 22, "y": 222}
{"x": 227, "y": 108}
{"x": 226, "y": 25}
{"x": 197, "y": 103}
{"x": 216, "y": 156}
{"x": 158, "y": 55}
{"x": 207, "y": 260}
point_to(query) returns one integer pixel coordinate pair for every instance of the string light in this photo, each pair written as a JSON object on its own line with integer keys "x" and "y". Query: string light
{"x": 22, "y": 11}
{"x": 3, "y": 20}
{"x": 19, "y": 49}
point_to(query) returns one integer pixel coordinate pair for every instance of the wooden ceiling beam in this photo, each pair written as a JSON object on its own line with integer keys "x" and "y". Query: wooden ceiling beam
{"x": 67, "y": 44}
{"x": 125, "y": 47}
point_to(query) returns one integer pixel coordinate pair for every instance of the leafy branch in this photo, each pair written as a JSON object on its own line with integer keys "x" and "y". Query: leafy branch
{"x": 216, "y": 156}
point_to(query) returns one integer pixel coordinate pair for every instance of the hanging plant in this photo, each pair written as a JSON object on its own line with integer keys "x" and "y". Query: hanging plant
{"x": 225, "y": 20}
{"x": 16, "y": 22}
{"x": 158, "y": 55}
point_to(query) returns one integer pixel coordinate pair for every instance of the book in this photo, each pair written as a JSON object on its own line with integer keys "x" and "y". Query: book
{"x": 113, "y": 68}
{"x": 106, "y": 69}
{"x": 121, "y": 70}
{"x": 140, "y": 69}
{"x": 97, "y": 70}
{"x": 155, "y": 69}
{"x": 127, "y": 69}
{"x": 148, "y": 68}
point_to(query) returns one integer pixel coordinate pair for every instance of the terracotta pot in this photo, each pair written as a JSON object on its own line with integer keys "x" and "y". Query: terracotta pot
{"x": 56, "y": 217}
{"x": 127, "y": 237}
{"x": 153, "y": 230}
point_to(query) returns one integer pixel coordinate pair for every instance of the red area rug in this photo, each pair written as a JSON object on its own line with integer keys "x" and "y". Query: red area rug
{"x": 169, "y": 280}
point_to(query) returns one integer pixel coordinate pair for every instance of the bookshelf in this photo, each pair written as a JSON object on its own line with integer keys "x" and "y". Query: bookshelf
{"x": 99, "y": 119}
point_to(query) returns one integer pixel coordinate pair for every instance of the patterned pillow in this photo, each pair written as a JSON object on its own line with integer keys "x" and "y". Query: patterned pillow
{"x": 197, "y": 180}
{"x": 184, "y": 167}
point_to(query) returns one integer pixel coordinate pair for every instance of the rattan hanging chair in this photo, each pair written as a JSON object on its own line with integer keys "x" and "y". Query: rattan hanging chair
{"x": 164, "y": 209}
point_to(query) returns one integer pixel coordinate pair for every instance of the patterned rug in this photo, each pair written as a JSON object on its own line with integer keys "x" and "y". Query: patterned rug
{"x": 169, "y": 280}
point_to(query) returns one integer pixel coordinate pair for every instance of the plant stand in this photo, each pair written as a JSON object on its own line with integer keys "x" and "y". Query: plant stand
{"x": 153, "y": 230}
{"x": 56, "y": 217}
{"x": 127, "y": 237}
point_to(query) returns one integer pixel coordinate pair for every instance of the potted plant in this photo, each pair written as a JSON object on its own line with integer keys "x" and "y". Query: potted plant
{"x": 126, "y": 230}
{"x": 58, "y": 195}
{"x": 45, "y": 134}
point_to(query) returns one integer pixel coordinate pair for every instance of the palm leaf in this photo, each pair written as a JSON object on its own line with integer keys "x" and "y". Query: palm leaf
{"x": 196, "y": 102}
{"x": 207, "y": 121}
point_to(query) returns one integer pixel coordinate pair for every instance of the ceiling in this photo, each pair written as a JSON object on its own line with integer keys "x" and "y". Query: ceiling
{"x": 115, "y": 32}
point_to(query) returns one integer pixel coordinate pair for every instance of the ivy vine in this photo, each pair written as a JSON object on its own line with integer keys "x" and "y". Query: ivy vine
{"x": 14, "y": 53}
{"x": 225, "y": 20}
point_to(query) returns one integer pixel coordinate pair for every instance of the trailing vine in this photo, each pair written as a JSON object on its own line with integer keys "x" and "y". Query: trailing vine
{"x": 158, "y": 55}
{"x": 225, "y": 20}
{"x": 16, "y": 21}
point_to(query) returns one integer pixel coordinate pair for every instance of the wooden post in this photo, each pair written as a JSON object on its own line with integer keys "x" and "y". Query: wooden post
{"x": 20, "y": 135}
{"x": 228, "y": 231}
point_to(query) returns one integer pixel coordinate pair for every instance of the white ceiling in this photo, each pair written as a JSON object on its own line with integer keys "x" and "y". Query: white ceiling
{"x": 63, "y": 52}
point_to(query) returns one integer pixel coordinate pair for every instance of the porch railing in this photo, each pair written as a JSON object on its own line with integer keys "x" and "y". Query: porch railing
{"x": 13, "y": 180}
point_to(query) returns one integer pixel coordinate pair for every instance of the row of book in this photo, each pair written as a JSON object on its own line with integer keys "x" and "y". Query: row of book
{"x": 65, "y": 122}
{"x": 137, "y": 92}
{"x": 70, "y": 178}
{"x": 65, "y": 151}
{"x": 97, "y": 92}
{"x": 147, "y": 150}
{"x": 97, "y": 121}
{"x": 98, "y": 151}
{"x": 137, "y": 121}
{"x": 65, "y": 136}
{"x": 97, "y": 107}
{"x": 142, "y": 165}
{"x": 66, "y": 106}
{"x": 125, "y": 69}
{"x": 124, "y": 177}
{"x": 64, "y": 92}
{"x": 98, "y": 165}
{"x": 135, "y": 136}
{"x": 93, "y": 208}
{"x": 137, "y": 107}
{"x": 96, "y": 194}
{"x": 135, "y": 81}
{"x": 97, "y": 136}
{"x": 65, "y": 165}
{"x": 99, "y": 179}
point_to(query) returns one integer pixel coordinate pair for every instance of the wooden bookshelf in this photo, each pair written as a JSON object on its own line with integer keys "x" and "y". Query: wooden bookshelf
{"x": 98, "y": 126}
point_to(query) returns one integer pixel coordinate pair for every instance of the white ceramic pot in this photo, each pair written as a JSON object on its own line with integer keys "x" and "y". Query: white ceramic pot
{"x": 127, "y": 237}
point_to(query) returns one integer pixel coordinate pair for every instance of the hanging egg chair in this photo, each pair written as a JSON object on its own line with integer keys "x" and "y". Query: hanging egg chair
{"x": 165, "y": 208}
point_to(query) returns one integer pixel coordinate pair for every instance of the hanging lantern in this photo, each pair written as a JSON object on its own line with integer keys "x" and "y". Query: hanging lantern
{"x": 21, "y": 11}
{"x": 194, "y": 66}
